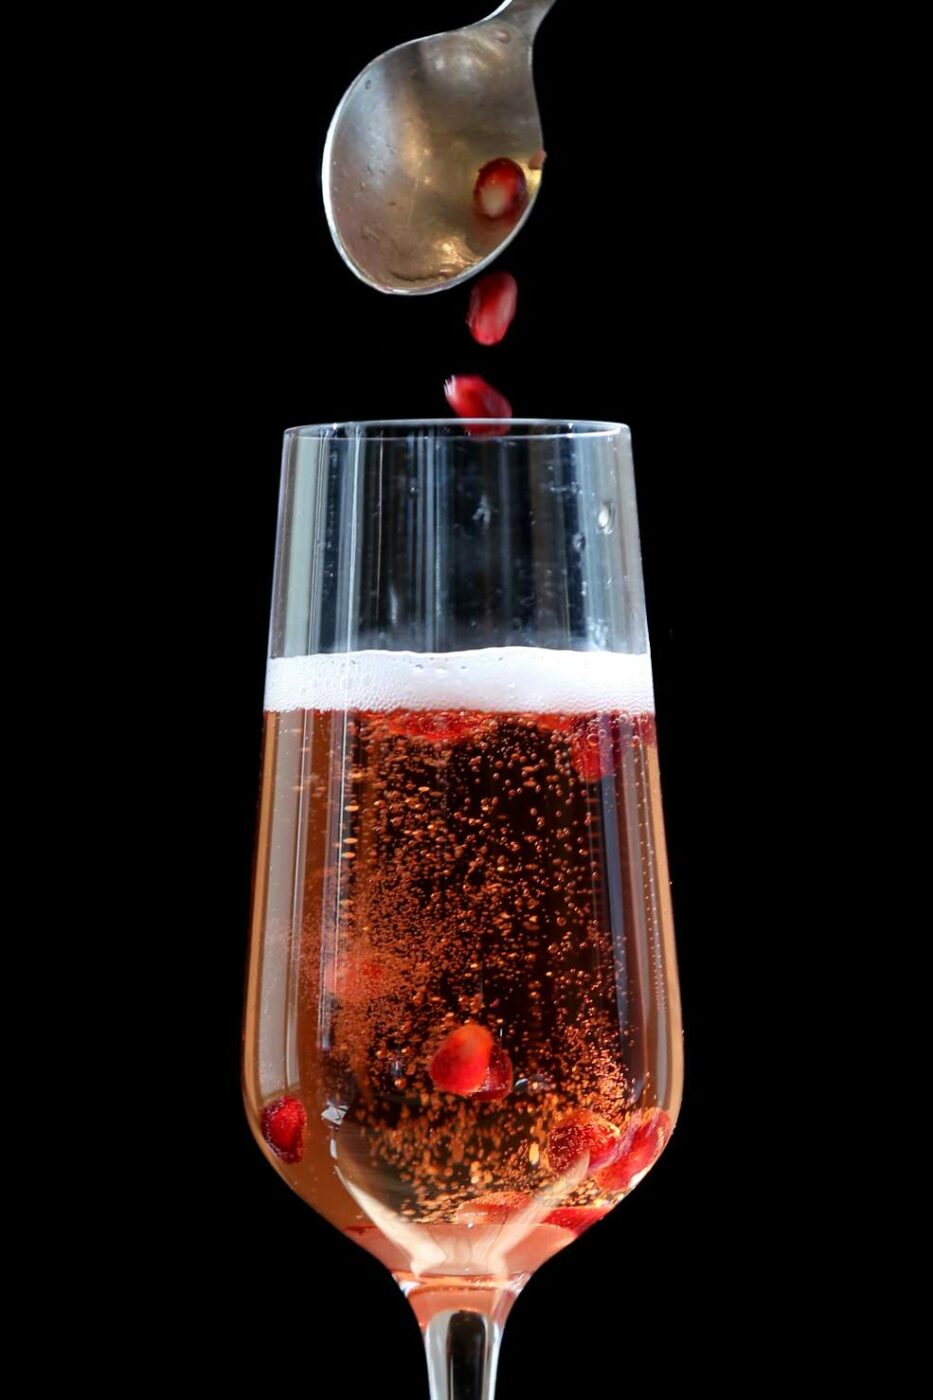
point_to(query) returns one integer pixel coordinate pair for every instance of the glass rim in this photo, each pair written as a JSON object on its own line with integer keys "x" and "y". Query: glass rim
{"x": 457, "y": 428}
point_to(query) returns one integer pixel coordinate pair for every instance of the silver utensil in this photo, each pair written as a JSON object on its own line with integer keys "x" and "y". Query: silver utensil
{"x": 408, "y": 140}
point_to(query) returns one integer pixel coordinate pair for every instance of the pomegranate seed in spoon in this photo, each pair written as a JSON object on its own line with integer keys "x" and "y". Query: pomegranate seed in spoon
{"x": 501, "y": 190}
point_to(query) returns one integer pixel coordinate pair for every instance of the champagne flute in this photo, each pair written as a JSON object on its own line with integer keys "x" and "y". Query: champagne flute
{"x": 462, "y": 1039}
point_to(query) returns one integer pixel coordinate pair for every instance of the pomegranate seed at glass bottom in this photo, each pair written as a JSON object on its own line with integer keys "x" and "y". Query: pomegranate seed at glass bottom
{"x": 643, "y": 1140}
{"x": 492, "y": 307}
{"x": 582, "y": 1134}
{"x": 283, "y": 1127}
{"x": 493, "y": 1208}
{"x": 499, "y": 1078}
{"x": 501, "y": 189}
{"x": 461, "y": 1063}
{"x": 471, "y": 397}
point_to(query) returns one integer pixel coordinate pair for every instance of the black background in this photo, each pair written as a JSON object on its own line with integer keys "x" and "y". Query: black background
{"x": 642, "y": 292}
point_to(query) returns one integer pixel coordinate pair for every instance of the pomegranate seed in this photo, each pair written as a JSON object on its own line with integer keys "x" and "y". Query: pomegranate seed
{"x": 364, "y": 975}
{"x": 435, "y": 726}
{"x": 471, "y": 397}
{"x": 643, "y": 1140}
{"x": 595, "y": 748}
{"x": 283, "y": 1127}
{"x": 499, "y": 1077}
{"x": 599, "y": 743}
{"x": 538, "y": 159}
{"x": 492, "y": 307}
{"x": 553, "y": 723}
{"x": 644, "y": 730}
{"x": 576, "y": 1218}
{"x": 501, "y": 190}
{"x": 582, "y": 1134}
{"x": 461, "y": 1064}
{"x": 494, "y": 1208}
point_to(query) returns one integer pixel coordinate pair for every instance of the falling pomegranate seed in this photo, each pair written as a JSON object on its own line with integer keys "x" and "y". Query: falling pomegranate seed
{"x": 501, "y": 190}
{"x": 576, "y": 1218}
{"x": 283, "y": 1127}
{"x": 471, "y": 397}
{"x": 492, "y": 307}
{"x": 537, "y": 160}
{"x": 582, "y": 1134}
{"x": 643, "y": 1140}
{"x": 499, "y": 1078}
{"x": 462, "y": 1062}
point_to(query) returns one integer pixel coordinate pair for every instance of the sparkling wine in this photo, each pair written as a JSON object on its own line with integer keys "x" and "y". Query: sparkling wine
{"x": 463, "y": 1034}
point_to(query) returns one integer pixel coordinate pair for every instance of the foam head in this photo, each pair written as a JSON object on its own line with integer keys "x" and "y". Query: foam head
{"x": 498, "y": 680}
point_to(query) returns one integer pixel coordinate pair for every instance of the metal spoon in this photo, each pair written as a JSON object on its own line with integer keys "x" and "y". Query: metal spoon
{"x": 408, "y": 140}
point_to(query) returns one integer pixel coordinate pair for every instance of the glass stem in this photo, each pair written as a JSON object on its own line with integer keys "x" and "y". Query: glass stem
{"x": 462, "y": 1332}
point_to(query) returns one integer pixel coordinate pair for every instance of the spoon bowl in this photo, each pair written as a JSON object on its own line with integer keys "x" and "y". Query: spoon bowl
{"x": 408, "y": 140}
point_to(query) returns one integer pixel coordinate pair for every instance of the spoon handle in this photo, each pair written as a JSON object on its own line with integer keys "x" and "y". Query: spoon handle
{"x": 525, "y": 15}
